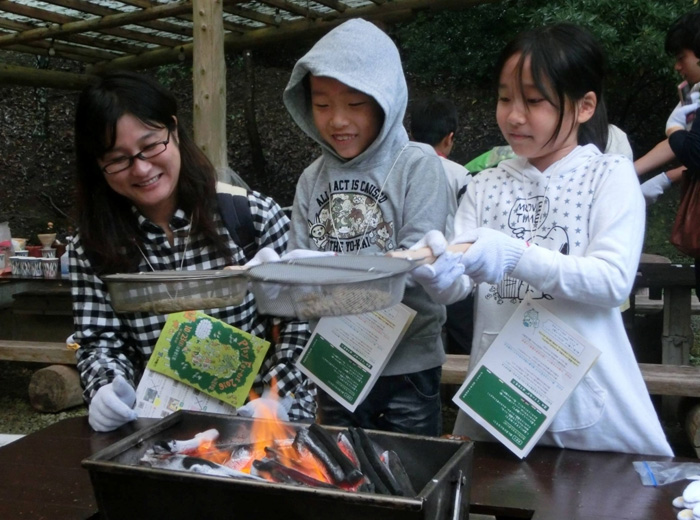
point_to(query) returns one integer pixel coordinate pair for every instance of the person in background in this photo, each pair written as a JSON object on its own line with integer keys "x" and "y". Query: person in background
{"x": 563, "y": 224}
{"x": 434, "y": 121}
{"x": 147, "y": 201}
{"x": 371, "y": 191}
{"x": 680, "y": 38}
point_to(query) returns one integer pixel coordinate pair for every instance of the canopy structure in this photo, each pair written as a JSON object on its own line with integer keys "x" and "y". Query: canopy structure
{"x": 101, "y": 35}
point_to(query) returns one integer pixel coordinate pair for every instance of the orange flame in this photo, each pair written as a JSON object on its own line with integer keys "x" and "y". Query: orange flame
{"x": 267, "y": 431}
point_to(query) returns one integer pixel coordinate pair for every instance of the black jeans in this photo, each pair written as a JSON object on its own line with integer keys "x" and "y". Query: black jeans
{"x": 407, "y": 403}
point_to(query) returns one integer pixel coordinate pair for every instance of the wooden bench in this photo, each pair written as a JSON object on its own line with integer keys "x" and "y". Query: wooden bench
{"x": 675, "y": 380}
{"x": 55, "y": 387}
{"x": 680, "y": 380}
{"x": 37, "y": 352}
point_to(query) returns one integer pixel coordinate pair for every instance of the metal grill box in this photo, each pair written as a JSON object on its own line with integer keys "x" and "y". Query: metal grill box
{"x": 439, "y": 468}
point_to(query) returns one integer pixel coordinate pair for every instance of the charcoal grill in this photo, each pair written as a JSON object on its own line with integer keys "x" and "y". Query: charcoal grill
{"x": 439, "y": 468}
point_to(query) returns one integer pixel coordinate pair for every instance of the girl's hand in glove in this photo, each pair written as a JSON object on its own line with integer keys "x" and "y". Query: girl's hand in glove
{"x": 112, "y": 406}
{"x": 266, "y": 254}
{"x": 296, "y": 254}
{"x": 492, "y": 255}
{"x": 266, "y": 407}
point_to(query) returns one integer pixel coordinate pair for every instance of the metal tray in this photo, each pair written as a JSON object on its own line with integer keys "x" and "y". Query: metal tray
{"x": 439, "y": 468}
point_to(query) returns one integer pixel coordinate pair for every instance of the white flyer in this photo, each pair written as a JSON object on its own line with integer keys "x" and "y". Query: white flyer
{"x": 525, "y": 376}
{"x": 346, "y": 354}
{"x": 159, "y": 395}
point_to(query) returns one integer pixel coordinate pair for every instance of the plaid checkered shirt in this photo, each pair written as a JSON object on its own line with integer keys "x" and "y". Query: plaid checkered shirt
{"x": 113, "y": 344}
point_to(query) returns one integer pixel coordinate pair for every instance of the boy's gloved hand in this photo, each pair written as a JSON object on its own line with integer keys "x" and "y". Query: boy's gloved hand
{"x": 655, "y": 187}
{"x": 433, "y": 239}
{"x": 492, "y": 255}
{"x": 439, "y": 276}
{"x": 112, "y": 406}
{"x": 677, "y": 119}
{"x": 265, "y": 407}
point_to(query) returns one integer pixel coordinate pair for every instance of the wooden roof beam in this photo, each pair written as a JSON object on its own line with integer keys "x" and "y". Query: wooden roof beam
{"x": 98, "y": 10}
{"x": 250, "y": 14}
{"x": 270, "y": 35}
{"x": 61, "y": 50}
{"x": 110, "y": 45}
{"x": 42, "y": 51}
{"x": 97, "y": 24}
{"x": 333, "y": 4}
{"x": 12, "y": 75}
{"x": 50, "y": 17}
{"x": 285, "y": 5}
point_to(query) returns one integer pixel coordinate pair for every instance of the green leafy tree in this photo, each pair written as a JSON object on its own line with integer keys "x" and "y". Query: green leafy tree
{"x": 463, "y": 45}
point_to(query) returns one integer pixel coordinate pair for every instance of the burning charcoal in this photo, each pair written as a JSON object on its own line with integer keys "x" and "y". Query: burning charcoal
{"x": 265, "y": 469}
{"x": 193, "y": 465}
{"x": 365, "y": 465}
{"x": 393, "y": 463}
{"x": 284, "y": 474}
{"x": 304, "y": 439}
{"x": 345, "y": 444}
{"x": 352, "y": 474}
{"x": 187, "y": 446}
{"x": 380, "y": 469}
{"x": 240, "y": 457}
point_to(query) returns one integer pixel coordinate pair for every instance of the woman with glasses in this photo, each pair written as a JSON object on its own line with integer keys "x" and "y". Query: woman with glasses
{"x": 146, "y": 200}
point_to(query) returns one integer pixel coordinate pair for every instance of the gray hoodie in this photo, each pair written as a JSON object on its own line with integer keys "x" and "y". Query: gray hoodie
{"x": 385, "y": 198}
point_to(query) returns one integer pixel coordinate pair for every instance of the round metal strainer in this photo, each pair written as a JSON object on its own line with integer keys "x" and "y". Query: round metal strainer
{"x": 329, "y": 286}
{"x": 164, "y": 292}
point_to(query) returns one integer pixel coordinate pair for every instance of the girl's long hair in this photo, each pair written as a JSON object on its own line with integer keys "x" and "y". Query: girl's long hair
{"x": 108, "y": 228}
{"x": 566, "y": 63}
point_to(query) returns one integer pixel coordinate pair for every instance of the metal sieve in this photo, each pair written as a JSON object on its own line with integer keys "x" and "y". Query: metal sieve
{"x": 329, "y": 286}
{"x": 164, "y": 292}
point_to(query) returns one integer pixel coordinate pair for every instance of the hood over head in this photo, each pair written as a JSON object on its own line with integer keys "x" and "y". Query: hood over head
{"x": 360, "y": 55}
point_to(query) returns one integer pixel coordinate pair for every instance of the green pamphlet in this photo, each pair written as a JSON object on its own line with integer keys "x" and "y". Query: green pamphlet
{"x": 208, "y": 355}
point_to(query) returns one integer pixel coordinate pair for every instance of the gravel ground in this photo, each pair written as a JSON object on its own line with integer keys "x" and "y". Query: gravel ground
{"x": 17, "y": 416}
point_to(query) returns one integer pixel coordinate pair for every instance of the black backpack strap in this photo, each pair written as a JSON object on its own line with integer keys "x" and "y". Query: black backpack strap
{"x": 235, "y": 212}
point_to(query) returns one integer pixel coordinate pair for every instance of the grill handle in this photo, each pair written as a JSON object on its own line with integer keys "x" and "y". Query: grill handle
{"x": 459, "y": 484}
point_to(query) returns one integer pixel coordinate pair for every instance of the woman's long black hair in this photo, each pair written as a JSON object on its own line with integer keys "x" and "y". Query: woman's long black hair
{"x": 108, "y": 228}
{"x": 566, "y": 62}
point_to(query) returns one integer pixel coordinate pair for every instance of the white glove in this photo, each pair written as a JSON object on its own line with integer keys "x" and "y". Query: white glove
{"x": 433, "y": 239}
{"x": 438, "y": 277}
{"x": 266, "y": 254}
{"x": 265, "y": 407}
{"x": 492, "y": 255}
{"x": 655, "y": 187}
{"x": 678, "y": 118}
{"x": 296, "y": 254}
{"x": 112, "y": 406}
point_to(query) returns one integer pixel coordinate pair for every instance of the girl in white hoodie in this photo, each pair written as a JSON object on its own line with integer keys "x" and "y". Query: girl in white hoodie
{"x": 560, "y": 223}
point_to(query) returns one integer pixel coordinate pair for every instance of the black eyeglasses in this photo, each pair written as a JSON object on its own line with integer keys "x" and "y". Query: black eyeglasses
{"x": 149, "y": 152}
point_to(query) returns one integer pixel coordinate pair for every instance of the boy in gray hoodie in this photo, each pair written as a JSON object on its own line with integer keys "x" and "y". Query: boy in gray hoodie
{"x": 371, "y": 191}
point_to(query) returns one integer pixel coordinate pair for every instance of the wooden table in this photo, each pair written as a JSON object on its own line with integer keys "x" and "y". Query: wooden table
{"x": 42, "y": 478}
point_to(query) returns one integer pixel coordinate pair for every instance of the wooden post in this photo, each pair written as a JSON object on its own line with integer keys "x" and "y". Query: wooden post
{"x": 55, "y": 388}
{"x": 209, "y": 82}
